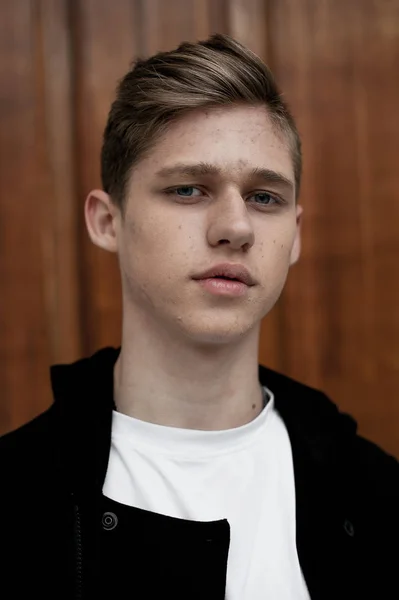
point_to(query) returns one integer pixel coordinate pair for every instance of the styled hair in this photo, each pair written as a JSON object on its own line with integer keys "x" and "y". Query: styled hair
{"x": 156, "y": 91}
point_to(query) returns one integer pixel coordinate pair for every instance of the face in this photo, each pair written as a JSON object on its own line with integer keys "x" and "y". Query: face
{"x": 218, "y": 187}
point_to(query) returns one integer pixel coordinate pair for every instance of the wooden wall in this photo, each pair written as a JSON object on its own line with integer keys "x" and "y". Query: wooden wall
{"x": 337, "y": 324}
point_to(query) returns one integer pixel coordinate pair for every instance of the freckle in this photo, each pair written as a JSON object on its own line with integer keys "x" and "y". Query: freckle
{"x": 253, "y": 406}
{"x": 282, "y": 245}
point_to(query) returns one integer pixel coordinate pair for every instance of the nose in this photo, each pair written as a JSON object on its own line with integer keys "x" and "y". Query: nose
{"x": 230, "y": 223}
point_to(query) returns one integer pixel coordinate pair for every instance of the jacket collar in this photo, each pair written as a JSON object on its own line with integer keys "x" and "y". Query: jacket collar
{"x": 83, "y": 394}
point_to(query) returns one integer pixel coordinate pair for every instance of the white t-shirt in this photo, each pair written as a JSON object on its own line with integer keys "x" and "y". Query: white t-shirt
{"x": 244, "y": 475}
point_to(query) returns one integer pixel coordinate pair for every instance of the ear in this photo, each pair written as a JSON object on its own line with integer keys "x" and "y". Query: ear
{"x": 101, "y": 217}
{"x": 296, "y": 248}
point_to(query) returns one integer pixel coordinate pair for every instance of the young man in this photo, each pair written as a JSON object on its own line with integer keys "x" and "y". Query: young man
{"x": 177, "y": 467}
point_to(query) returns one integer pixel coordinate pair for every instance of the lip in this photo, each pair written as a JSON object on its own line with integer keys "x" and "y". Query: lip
{"x": 223, "y": 287}
{"x": 231, "y": 271}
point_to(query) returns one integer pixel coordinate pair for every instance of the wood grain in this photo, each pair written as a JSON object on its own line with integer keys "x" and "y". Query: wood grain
{"x": 24, "y": 344}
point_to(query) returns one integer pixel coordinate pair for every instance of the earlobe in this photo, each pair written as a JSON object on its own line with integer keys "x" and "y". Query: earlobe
{"x": 100, "y": 217}
{"x": 296, "y": 248}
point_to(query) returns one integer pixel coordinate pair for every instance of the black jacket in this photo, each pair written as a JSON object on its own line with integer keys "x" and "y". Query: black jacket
{"x": 52, "y": 510}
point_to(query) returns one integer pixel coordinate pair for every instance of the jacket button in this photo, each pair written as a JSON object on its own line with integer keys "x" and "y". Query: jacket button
{"x": 348, "y": 526}
{"x": 109, "y": 521}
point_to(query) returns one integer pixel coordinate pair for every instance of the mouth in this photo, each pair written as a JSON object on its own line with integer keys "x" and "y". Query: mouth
{"x": 224, "y": 278}
{"x": 228, "y": 272}
{"x": 223, "y": 286}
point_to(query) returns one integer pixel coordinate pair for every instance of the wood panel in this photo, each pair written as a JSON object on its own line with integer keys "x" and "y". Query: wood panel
{"x": 60, "y": 207}
{"x": 24, "y": 344}
{"x": 337, "y": 63}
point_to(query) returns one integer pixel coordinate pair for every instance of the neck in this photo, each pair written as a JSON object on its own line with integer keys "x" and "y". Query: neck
{"x": 178, "y": 383}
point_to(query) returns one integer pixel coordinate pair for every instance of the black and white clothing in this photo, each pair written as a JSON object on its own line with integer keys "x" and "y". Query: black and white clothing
{"x": 293, "y": 505}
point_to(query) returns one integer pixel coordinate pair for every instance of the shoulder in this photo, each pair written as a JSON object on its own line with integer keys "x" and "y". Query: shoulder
{"x": 373, "y": 469}
{"x": 28, "y": 450}
{"x": 309, "y": 411}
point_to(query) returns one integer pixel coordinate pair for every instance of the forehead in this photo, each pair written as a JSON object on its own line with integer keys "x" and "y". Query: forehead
{"x": 233, "y": 139}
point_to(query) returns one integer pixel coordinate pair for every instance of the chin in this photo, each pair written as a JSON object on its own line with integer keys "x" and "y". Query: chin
{"x": 219, "y": 332}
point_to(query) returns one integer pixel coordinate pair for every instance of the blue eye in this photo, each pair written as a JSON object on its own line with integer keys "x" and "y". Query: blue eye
{"x": 186, "y": 191}
{"x": 266, "y": 199}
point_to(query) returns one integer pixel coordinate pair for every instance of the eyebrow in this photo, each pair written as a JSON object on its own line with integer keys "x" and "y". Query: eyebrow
{"x": 203, "y": 168}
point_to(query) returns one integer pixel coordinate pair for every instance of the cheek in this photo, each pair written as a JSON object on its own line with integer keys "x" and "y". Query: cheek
{"x": 143, "y": 235}
{"x": 276, "y": 245}
{"x": 155, "y": 245}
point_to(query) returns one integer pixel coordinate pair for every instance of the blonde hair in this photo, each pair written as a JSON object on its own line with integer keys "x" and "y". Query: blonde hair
{"x": 158, "y": 90}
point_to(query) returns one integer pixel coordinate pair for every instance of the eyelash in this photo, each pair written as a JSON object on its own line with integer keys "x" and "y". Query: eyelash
{"x": 173, "y": 191}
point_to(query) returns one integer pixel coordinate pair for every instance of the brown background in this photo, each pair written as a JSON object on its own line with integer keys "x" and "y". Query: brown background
{"x": 337, "y": 324}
